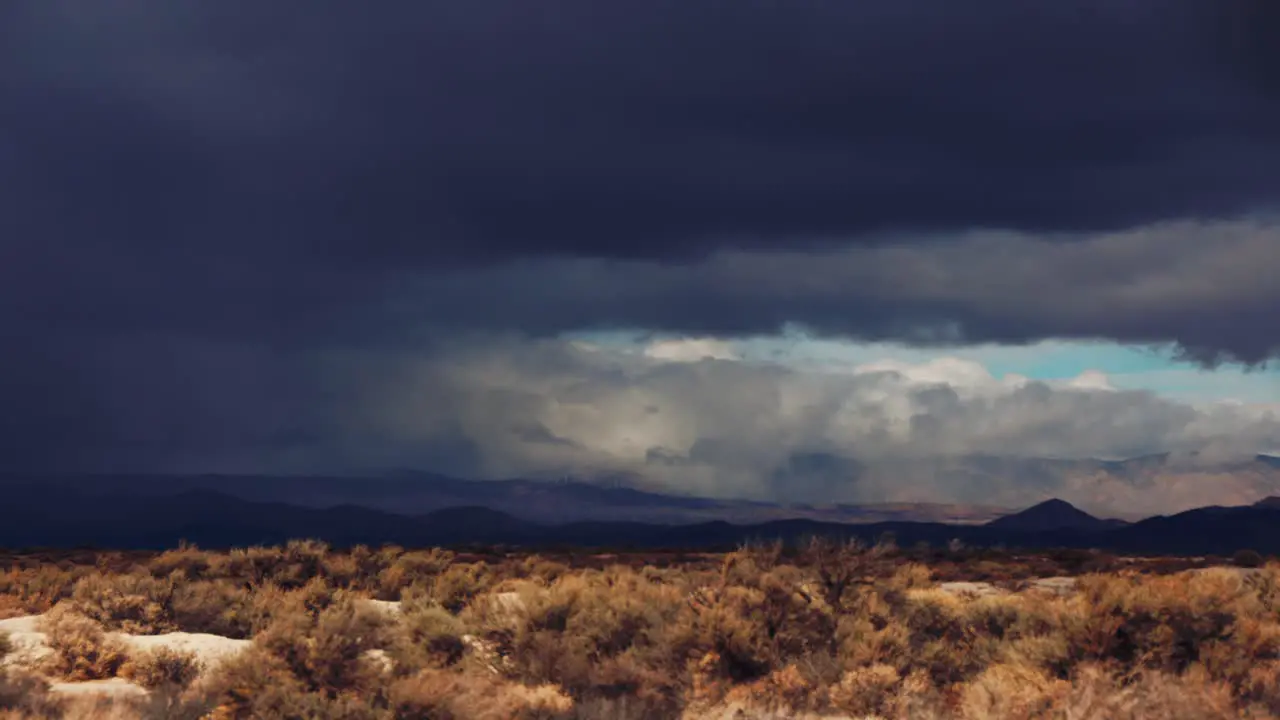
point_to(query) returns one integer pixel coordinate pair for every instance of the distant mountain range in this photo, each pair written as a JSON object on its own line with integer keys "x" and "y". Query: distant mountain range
{"x": 969, "y": 489}
{"x": 414, "y": 493}
{"x": 66, "y": 515}
{"x": 1132, "y": 489}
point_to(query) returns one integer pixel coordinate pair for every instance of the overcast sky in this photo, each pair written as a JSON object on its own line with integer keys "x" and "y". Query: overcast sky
{"x": 498, "y": 238}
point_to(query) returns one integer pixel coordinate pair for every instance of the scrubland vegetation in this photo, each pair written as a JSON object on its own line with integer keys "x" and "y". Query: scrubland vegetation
{"x": 823, "y": 630}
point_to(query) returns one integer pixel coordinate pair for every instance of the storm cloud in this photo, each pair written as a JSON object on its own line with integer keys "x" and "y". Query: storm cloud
{"x": 225, "y": 226}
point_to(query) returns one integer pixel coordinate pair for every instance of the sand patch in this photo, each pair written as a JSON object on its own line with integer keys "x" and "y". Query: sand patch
{"x": 208, "y": 649}
{"x": 30, "y": 646}
{"x": 971, "y": 589}
{"x": 113, "y": 688}
{"x": 391, "y": 608}
{"x": 1054, "y": 585}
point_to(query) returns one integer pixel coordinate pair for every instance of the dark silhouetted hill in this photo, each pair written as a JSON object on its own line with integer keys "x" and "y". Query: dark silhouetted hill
{"x": 1051, "y": 515}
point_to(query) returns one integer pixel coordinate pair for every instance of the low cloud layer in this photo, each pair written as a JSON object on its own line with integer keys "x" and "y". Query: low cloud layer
{"x": 664, "y": 418}
{"x": 728, "y": 427}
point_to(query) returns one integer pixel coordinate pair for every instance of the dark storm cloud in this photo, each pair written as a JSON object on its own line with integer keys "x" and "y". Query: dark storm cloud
{"x": 205, "y": 206}
{"x": 428, "y": 130}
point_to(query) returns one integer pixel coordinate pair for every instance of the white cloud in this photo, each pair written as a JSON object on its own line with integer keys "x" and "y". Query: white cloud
{"x": 691, "y": 350}
{"x": 1091, "y": 380}
{"x": 732, "y": 427}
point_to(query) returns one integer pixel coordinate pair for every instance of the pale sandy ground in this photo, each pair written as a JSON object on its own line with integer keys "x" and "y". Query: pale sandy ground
{"x": 115, "y": 687}
{"x": 30, "y": 647}
{"x": 28, "y": 643}
{"x": 1049, "y": 585}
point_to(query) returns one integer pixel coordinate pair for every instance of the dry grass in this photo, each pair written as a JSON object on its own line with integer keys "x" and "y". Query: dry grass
{"x": 820, "y": 630}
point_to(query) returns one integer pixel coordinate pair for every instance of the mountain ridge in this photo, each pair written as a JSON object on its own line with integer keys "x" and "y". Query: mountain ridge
{"x": 215, "y": 520}
{"x": 966, "y": 489}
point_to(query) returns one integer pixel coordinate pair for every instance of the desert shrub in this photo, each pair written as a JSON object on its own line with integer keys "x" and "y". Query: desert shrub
{"x": 447, "y": 695}
{"x": 289, "y": 703}
{"x": 459, "y": 584}
{"x": 841, "y": 565}
{"x": 748, "y": 561}
{"x": 217, "y": 607}
{"x": 303, "y": 560}
{"x": 909, "y": 576}
{"x": 1265, "y": 585}
{"x": 257, "y": 685}
{"x": 1260, "y": 687}
{"x": 11, "y": 606}
{"x": 757, "y": 628}
{"x": 408, "y": 569}
{"x": 943, "y": 641}
{"x": 1160, "y": 622}
{"x": 1252, "y": 642}
{"x": 293, "y": 566}
{"x": 599, "y": 635}
{"x": 1096, "y": 692}
{"x": 134, "y": 603}
{"x": 81, "y": 649}
{"x": 429, "y": 636}
{"x": 867, "y": 691}
{"x": 271, "y": 601}
{"x": 782, "y": 692}
{"x": 161, "y": 667}
{"x": 1248, "y": 559}
{"x": 36, "y": 590}
{"x": 326, "y": 651}
{"x": 1011, "y": 691}
{"x": 366, "y": 566}
{"x": 191, "y": 561}
{"x": 541, "y": 570}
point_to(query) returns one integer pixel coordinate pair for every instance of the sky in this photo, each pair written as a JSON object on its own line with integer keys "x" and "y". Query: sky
{"x": 712, "y": 245}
